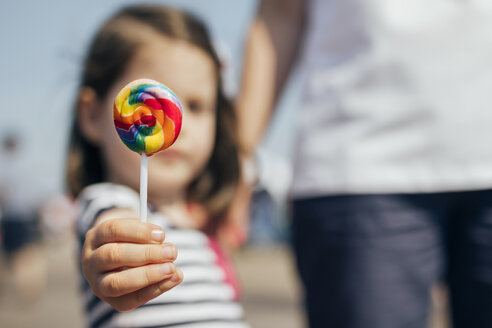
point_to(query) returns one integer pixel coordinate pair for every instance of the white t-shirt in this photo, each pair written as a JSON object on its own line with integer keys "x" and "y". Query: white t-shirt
{"x": 19, "y": 199}
{"x": 397, "y": 97}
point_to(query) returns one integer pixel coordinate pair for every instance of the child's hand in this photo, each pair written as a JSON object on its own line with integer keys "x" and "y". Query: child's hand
{"x": 126, "y": 264}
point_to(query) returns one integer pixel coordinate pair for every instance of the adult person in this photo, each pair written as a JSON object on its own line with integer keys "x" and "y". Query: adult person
{"x": 392, "y": 163}
{"x": 19, "y": 224}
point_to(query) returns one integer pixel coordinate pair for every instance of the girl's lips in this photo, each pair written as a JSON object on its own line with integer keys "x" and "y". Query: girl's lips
{"x": 169, "y": 154}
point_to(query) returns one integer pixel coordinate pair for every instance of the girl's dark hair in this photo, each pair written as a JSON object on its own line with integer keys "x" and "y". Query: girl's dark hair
{"x": 109, "y": 53}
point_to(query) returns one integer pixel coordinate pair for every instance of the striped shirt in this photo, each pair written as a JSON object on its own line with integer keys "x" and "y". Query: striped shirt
{"x": 204, "y": 299}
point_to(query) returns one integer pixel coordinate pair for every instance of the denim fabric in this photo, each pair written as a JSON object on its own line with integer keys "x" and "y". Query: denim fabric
{"x": 368, "y": 261}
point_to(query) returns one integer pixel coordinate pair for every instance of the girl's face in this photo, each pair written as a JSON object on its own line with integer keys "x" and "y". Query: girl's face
{"x": 189, "y": 72}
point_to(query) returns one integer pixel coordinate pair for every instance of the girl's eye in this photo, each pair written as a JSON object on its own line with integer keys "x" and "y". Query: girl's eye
{"x": 195, "y": 106}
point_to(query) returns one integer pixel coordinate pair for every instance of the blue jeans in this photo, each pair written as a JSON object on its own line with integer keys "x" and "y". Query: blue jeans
{"x": 368, "y": 261}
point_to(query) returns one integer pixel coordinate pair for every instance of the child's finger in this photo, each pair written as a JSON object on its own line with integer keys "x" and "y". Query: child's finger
{"x": 131, "y": 301}
{"x": 126, "y": 230}
{"x": 115, "y": 284}
{"x": 117, "y": 255}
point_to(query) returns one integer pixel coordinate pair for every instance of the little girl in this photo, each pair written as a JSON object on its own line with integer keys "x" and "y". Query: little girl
{"x": 126, "y": 264}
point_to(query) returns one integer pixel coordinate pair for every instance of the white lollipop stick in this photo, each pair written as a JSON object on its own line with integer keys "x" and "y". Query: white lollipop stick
{"x": 144, "y": 164}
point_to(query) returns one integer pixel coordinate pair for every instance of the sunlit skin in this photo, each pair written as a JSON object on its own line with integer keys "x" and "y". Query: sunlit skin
{"x": 139, "y": 248}
{"x": 191, "y": 77}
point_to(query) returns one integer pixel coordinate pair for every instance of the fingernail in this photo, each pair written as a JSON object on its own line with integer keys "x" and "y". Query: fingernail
{"x": 169, "y": 252}
{"x": 178, "y": 275}
{"x": 157, "y": 235}
{"x": 167, "y": 268}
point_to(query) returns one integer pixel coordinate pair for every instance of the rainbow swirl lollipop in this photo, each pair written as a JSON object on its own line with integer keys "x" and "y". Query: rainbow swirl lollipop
{"x": 147, "y": 116}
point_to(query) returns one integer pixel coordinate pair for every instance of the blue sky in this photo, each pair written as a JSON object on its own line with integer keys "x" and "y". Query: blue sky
{"x": 43, "y": 44}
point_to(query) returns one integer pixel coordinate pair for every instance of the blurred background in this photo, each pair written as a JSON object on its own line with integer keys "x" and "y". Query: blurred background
{"x": 44, "y": 43}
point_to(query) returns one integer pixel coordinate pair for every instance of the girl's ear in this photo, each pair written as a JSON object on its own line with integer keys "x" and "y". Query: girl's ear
{"x": 89, "y": 115}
